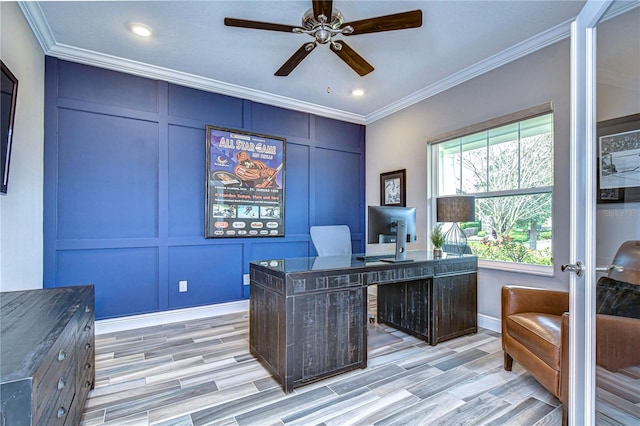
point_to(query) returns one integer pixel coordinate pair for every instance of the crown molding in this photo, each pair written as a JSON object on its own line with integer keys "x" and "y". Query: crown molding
{"x": 115, "y": 63}
{"x": 620, "y": 7}
{"x": 40, "y": 27}
{"x": 533, "y": 44}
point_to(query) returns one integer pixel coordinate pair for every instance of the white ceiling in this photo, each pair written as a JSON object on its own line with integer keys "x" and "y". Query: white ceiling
{"x": 191, "y": 46}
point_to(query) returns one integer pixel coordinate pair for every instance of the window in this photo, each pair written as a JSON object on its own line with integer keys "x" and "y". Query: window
{"x": 509, "y": 169}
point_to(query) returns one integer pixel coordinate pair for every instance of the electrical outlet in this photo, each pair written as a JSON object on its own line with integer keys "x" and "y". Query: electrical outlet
{"x": 245, "y": 279}
{"x": 182, "y": 286}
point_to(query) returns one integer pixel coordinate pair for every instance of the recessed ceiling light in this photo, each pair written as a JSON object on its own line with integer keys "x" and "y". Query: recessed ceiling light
{"x": 357, "y": 92}
{"x": 140, "y": 29}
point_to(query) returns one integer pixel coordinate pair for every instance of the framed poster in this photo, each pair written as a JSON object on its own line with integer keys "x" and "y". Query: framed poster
{"x": 392, "y": 188}
{"x": 245, "y": 184}
{"x": 619, "y": 160}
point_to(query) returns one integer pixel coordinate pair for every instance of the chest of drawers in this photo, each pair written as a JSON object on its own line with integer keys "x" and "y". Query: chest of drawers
{"x": 47, "y": 355}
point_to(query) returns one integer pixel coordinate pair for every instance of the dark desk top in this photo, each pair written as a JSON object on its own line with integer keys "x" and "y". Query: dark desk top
{"x": 327, "y": 263}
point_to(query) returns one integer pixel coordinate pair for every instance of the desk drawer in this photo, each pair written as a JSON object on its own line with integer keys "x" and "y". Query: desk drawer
{"x": 86, "y": 317}
{"x": 55, "y": 389}
{"x": 457, "y": 266}
{"x": 406, "y": 272}
{"x": 86, "y": 339}
{"x": 86, "y": 355}
{"x": 318, "y": 282}
{"x": 58, "y": 404}
{"x": 86, "y": 372}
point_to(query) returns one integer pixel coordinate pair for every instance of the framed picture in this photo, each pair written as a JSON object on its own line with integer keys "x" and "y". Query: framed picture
{"x": 618, "y": 165}
{"x": 244, "y": 184}
{"x": 393, "y": 189}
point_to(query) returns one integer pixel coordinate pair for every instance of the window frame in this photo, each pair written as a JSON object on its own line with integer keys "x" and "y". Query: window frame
{"x": 434, "y": 187}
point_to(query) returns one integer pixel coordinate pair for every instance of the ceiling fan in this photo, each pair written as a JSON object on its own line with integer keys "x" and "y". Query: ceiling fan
{"x": 323, "y": 22}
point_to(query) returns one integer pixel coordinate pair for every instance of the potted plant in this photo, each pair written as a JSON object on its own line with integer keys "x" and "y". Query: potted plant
{"x": 437, "y": 239}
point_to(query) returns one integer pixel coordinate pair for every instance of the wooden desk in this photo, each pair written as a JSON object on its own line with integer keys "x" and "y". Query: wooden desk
{"x": 308, "y": 316}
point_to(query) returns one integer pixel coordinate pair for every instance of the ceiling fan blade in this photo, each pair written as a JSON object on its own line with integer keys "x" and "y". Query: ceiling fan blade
{"x": 355, "y": 61}
{"x": 397, "y": 21}
{"x": 243, "y": 23}
{"x": 294, "y": 60}
{"x": 322, "y": 8}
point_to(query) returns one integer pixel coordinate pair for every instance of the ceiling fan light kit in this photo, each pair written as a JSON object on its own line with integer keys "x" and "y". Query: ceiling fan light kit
{"x": 315, "y": 23}
{"x": 320, "y": 29}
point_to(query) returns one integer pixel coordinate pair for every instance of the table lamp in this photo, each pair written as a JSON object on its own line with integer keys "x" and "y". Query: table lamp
{"x": 458, "y": 208}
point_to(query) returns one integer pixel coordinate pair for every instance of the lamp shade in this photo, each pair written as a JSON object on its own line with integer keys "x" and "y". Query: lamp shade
{"x": 458, "y": 208}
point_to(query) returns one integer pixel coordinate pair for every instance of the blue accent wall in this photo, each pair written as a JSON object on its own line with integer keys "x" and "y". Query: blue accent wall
{"x": 124, "y": 187}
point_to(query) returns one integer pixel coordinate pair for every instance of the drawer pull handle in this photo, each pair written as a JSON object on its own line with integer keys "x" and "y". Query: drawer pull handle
{"x": 87, "y": 346}
{"x": 87, "y": 384}
{"x": 87, "y": 366}
{"x": 87, "y": 327}
{"x": 87, "y": 309}
{"x": 62, "y": 355}
{"x": 61, "y": 412}
{"x": 61, "y": 384}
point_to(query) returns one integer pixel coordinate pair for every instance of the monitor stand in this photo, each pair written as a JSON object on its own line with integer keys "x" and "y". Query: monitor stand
{"x": 401, "y": 244}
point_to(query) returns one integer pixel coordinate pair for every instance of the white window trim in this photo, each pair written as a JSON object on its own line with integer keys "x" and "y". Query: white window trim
{"x": 523, "y": 268}
{"x": 513, "y": 192}
{"x": 496, "y": 122}
{"x": 432, "y": 188}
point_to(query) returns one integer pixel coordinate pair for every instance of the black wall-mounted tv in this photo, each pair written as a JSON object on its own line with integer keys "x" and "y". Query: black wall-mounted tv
{"x": 9, "y": 89}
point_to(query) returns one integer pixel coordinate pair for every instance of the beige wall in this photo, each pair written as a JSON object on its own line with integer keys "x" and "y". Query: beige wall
{"x": 21, "y": 210}
{"x": 618, "y": 71}
{"x": 618, "y": 66}
{"x": 399, "y": 141}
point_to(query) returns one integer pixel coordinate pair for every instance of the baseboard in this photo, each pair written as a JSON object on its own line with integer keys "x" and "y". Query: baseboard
{"x": 166, "y": 317}
{"x": 490, "y": 323}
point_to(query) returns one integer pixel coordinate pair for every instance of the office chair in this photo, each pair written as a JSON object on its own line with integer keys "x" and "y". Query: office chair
{"x": 333, "y": 240}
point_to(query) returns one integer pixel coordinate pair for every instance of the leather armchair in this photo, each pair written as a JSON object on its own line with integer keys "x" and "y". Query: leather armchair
{"x": 535, "y": 332}
{"x": 535, "y": 325}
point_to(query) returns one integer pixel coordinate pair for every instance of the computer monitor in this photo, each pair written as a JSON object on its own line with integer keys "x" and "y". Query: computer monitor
{"x": 392, "y": 225}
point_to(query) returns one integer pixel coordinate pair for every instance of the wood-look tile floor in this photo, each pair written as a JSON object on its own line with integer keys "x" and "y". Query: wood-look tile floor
{"x": 201, "y": 373}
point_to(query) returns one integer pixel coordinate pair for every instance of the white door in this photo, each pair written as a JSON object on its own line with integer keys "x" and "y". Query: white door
{"x": 595, "y": 237}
